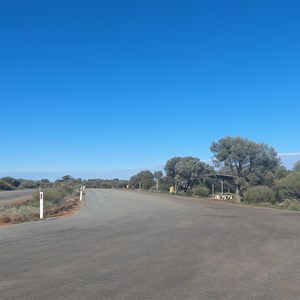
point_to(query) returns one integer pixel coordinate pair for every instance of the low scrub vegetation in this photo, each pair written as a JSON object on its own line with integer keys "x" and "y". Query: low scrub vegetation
{"x": 56, "y": 201}
{"x": 259, "y": 193}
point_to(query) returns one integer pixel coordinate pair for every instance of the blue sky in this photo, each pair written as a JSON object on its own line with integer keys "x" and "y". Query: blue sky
{"x": 117, "y": 86}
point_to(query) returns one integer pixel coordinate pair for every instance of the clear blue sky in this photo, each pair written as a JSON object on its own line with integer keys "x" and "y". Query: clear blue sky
{"x": 118, "y": 85}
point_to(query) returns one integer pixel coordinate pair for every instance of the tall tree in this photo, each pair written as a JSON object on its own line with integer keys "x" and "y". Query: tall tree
{"x": 250, "y": 162}
{"x": 190, "y": 171}
{"x": 157, "y": 176}
{"x": 144, "y": 180}
{"x": 12, "y": 181}
{"x": 186, "y": 171}
{"x": 296, "y": 167}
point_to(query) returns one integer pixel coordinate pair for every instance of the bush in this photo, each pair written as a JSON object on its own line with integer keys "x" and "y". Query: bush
{"x": 56, "y": 200}
{"x": 6, "y": 186}
{"x": 290, "y": 204}
{"x": 257, "y": 194}
{"x": 187, "y": 193}
{"x": 4, "y": 206}
{"x": 54, "y": 196}
{"x": 201, "y": 191}
{"x": 289, "y": 187}
{"x": 19, "y": 214}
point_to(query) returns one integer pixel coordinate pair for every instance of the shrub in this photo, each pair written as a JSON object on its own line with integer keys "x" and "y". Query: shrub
{"x": 289, "y": 186}
{"x": 290, "y": 204}
{"x": 15, "y": 214}
{"x": 258, "y": 194}
{"x": 54, "y": 196}
{"x": 5, "y": 186}
{"x": 4, "y": 206}
{"x": 201, "y": 191}
{"x": 55, "y": 201}
{"x": 187, "y": 193}
{"x": 4, "y": 217}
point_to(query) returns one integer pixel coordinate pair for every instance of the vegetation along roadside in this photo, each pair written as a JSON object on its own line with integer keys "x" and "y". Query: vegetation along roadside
{"x": 58, "y": 199}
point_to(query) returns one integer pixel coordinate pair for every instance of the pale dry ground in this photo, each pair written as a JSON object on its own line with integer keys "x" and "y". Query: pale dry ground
{"x": 132, "y": 245}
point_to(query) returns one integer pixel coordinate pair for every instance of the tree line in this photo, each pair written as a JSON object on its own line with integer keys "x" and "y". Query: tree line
{"x": 9, "y": 183}
{"x": 253, "y": 169}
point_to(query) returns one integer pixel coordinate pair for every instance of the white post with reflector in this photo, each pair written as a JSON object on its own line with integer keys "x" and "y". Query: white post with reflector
{"x": 41, "y": 205}
{"x": 80, "y": 198}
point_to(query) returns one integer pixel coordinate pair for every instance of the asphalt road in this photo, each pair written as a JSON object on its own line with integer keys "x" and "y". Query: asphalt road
{"x": 132, "y": 245}
{"x": 15, "y": 195}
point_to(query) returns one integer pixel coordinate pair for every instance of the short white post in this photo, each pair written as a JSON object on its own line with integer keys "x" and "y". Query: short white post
{"x": 41, "y": 205}
{"x": 80, "y": 198}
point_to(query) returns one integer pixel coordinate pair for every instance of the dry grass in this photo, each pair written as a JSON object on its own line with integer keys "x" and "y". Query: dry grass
{"x": 56, "y": 201}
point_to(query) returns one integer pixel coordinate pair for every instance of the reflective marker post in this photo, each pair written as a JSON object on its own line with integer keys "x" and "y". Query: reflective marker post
{"x": 80, "y": 199}
{"x": 41, "y": 205}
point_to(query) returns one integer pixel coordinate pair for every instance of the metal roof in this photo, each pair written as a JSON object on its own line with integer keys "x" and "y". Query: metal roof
{"x": 221, "y": 176}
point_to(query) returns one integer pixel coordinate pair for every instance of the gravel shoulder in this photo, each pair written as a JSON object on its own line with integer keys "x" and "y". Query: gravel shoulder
{"x": 16, "y": 195}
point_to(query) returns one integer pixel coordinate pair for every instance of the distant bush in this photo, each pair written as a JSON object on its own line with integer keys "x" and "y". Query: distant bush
{"x": 5, "y": 186}
{"x": 12, "y": 181}
{"x": 201, "y": 191}
{"x": 187, "y": 193}
{"x": 258, "y": 194}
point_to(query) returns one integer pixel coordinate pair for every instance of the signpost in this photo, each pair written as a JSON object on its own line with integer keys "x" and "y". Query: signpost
{"x": 41, "y": 205}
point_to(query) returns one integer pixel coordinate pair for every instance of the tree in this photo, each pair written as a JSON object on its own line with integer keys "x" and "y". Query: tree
{"x": 170, "y": 166}
{"x": 143, "y": 180}
{"x": 157, "y": 176}
{"x": 5, "y": 186}
{"x": 67, "y": 178}
{"x": 289, "y": 186}
{"x": 190, "y": 171}
{"x": 296, "y": 167}
{"x": 251, "y": 163}
{"x": 12, "y": 181}
{"x": 186, "y": 172}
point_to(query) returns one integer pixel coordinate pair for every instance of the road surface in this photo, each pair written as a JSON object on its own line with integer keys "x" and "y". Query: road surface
{"x": 16, "y": 195}
{"x": 133, "y": 245}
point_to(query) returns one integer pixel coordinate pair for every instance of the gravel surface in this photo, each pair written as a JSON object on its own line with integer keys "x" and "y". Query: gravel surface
{"x": 134, "y": 245}
{"x": 16, "y": 195}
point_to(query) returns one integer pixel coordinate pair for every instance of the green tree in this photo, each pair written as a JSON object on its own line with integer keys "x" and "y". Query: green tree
{"x": 5, "y": 186}
{"x": 190, "y": 171}
{"x": 289, "y": 186}
{"x": 12, "y": 181}
{"x": 157, "y": 176}
{"x": 67, "y": 178}
{"x": 170, "y": 166}
{"x": 251, "y": 163}
{"x": 296, "y": 167}
{"x": 144, "y": 180}
{"x": 185, "y": 172}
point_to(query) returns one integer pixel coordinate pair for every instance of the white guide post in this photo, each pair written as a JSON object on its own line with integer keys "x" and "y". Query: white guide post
{"x": 80, "y": 198}
{"x": 41, "y": 205}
